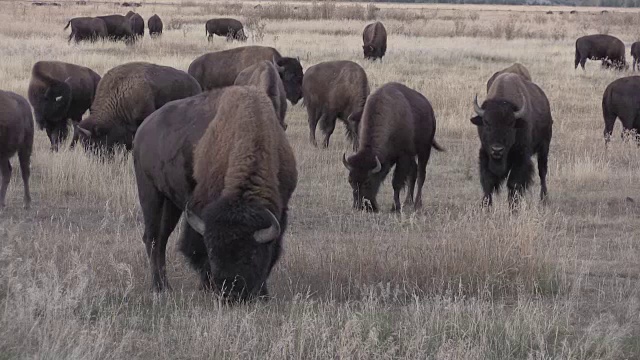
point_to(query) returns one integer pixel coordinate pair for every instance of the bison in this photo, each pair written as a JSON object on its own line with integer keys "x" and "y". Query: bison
{"x": 118, "y": 28}
{"x": 635, "y": 54}
{"x": 136, "y": 22}
{"x": 126, "y": 95}
{"x": 603, "y": 47}
{"x": 516, "y": 68}
{"x": 155, "y": 26}
{"x": 331, "y": 90}
{"x": 620, "y": 100}
{"x": 396, "y": 126}
{"x": 219, "y": 69}
{"x": 59, "y": 92}
{"x": 514, "y": 123}
{"x": 87, "y": 28}
{"x": 16, "y": 136}
{"x": 230, "y": 28}
{"x": 222, "y": 158}
{"x": 374, "y": 38}
{"x": 266, "y": 76}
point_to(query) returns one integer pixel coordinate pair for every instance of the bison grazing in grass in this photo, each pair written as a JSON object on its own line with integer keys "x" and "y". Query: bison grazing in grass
{"x": 265, "y": 75}
{"x": 374, "y": 38}
{"x": 514, "y": 123}
{"x": 232, "y": 29}
{"x": 119, "y": 28}
{"x": 621, "y": 99}
{"x": 607, "y": 48}
{"x": 87, "y": 28}
{"x": 126, "y": 95}
{"x": 136, "y": 22}
{"x": 331, "y": 90}
{"x": 397, "y": 125}
{"x": 223, "y": 159}
{"x": 516, "y": 68}
{"x": 16, "y": 136}
{"x": 155, "y": 26}
{"x": 635, "y": 54}
{"x": 59, "y": 92}
{"x": 220, "y": 69}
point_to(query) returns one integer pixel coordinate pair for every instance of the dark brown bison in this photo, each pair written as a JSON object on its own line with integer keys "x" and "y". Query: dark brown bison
{"x": 514, "y": 123}
{"x": 87, "y": 28}
{"x": 16, "y": 136}
{"x": 635, "y": 54}
{"x": 219, "y": 69}
{"x": 265, "y": 75}
{"x": 516, "y": 68}
{"x": 374, "y": 38}
{"x": 230, "y": 28}
{"x": 603, "y": 47}
{"x": 331, "y": 90}
{"x": 136, "y": 22}
{"x": 126, "y": 95}
{"x": 621, "y": 99}
{"x": 397, "y": 125}
{"x": 59, "y": 92}
{"x": 155, "y": 26}
{"x": 118, "y": 28}
{"x": 198, "y": 155}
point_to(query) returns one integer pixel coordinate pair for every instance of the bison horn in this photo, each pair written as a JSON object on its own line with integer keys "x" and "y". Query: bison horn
{"x": 345, "y": 162}
{"x": 269, "y": 234}
{"x": 193, "y": 220}
{"x": 477, "y": 107}
{"x": 523, "y": 110}
{"x": 378, "y": 167}
{"x": 83, "y": 131}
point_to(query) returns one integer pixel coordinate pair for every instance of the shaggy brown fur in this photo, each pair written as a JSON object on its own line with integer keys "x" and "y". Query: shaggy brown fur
{"x": 374, "y": 38}
{"x": 620, "y": 100}
{"x": 230, "y": 28}
{"x": 265, "y": 76}
{"x": 16, "y": 136}
{"x": 155, "y": 26}
{"x": 87, "y": 28}
{"x": 331, "y": 90}
{"x": 603, "y": 47}
{"x": 516, "y": 68}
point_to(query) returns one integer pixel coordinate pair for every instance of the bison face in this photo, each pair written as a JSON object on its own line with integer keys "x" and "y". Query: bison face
{"x": 102, "y": 139}
{"x": 364, "y": 178}
{"x": 291, "y": 75}
{"x": 369, "y": 51}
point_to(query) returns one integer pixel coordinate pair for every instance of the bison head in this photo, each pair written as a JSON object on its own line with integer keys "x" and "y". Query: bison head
{"x": 369, "y": 51}
{"x": 498, "y": 122}
{"x": 243, "y": 243}
{"x": 104, "y": 139}
{"x": 291, "y": 74}
{"x": 57, "y": 99}
{"x": 365, "y": 172}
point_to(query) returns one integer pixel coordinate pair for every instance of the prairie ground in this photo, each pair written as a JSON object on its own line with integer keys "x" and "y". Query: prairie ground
{"x": 448, "y": 282}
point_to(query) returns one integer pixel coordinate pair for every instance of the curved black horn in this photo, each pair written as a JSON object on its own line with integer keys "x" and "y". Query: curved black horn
{"x": 194, "y": 220}
{"x": 477, "y": 107}
{"x": 269, "y": 234}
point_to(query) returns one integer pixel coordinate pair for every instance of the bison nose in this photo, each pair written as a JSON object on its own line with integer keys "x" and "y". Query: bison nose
{"x": 497, "y": 151}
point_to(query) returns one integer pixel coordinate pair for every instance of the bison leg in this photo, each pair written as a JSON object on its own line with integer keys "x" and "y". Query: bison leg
{"x": 423, "y": 160}
{"x": 489, "y": 181}
{"x": 76, "y": 133}
{"x": 24, "y": 156}
{"x": 543, "y": 158}
{"x": 193, "y": 248}
{"x": 519, "y": 178}
{"x": 411, "y": 181}
{"x": 5, "y": 171}
{"x": 328, "y": 126}
{"x": 399, "y": 180}
{"x": 152, "y": 203}
{"x": 609, "y": 122}
{"x": 313, "y": 116}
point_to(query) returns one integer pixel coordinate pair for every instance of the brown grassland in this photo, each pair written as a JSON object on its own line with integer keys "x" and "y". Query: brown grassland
{"x": 448, "y": 282}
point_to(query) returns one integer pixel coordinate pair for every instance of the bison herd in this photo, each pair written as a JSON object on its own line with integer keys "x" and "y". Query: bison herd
{"x": 210, "y": 142}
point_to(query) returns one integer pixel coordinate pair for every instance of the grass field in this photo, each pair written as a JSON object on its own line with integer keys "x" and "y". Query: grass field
{"x": 449, "y": 282}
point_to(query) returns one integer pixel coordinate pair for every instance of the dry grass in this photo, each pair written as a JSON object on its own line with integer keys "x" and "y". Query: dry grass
{"x": 448, "y": 282}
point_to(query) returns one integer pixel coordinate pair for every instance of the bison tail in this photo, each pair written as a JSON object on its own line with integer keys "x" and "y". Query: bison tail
{"x": 69, "y": 23}
{"x": 437, "y": 146}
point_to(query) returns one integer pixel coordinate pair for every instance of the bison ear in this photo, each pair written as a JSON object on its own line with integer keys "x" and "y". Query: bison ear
{"x": 476, "y": 120}
{"x": 520, "y": 123}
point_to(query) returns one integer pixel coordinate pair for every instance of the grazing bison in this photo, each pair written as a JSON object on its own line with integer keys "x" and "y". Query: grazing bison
{"x": 230, "y": 28}
{"x": 603, "y": 47}
{"x": 126, "y": 95}
{"x": 118, "y": 28}
{"x": 136, "y": 22}
{"x": 220, "y": 69}
{"x": 266, "y": 76}
{"x": 374, "y": 38}
{"x": 514, "y": 123}
{"x": 198, "y": 155}
{"x": 635, "y": 54}
{"x": 59, "y": 92}
{"x": 155, "y": 26}
{"x": 87, "y": 28}
{"x": 16, "y": 136}
{"x": 397, "y": 125}
{"x": 621, "y": 99}
{"x": 331, "y": 90}
{"x": 516, "y": 68}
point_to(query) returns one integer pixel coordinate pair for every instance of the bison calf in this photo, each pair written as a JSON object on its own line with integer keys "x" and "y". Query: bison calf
{"x": 603, "y": 47}
{"x": 374, "y": 38}
{"x": 230, "y": 28}
{"x": 155, "y": 26}
{"x": 620, "y": 100}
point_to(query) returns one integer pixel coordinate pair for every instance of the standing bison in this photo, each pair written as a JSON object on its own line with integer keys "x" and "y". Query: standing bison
{"x": 223, "y": 159}
{"x": 621, "y": 99}
{"x": 118, "y": 28}
{"x": 220, "y": 69}
{"x": 607, "y": 48}
{"x": 155, "y": 26}
{"x": 126, "y": 95}
{"x": 514, "y": 123}
{"x": 59, "y": 92}
{"x": 136, "y": 22}
{"x": 516, "y": 68}
{"x": 397, "y": 125}
{"x": 265, "y": 75}
{"x": 374, "y": 38}
{"x": 87, "y": 28}
{"x": 635, "y": 54}
{"x": 16, "y": 136}
{"x": 331, "y": 90}
{"x": 232, "y": 29}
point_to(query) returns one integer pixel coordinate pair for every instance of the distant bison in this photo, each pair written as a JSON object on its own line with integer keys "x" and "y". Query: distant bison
{"x": 155, "y": 26}
{"x": 230, "y": 28}
{"x": 621, "y": 99}
{"x": 136, "y": 22}
{"x": 198, "y": 155}
{"x": 573, "y": 12}
{"x": 516, "y": 68}
{"x": 16, "y": 136}
{"x": 59, "y": 92}
{"x": 265, "y": 75}
{"x": 549, "y": 12}
{"x": 87, "y": 28}
{"x": 219, "y": 69}
{"x": 119, "y": 28}
{"x": 635, "y": 54}
{"x": 126, "y": 95}
{"x": 603, "y": 47}
{"x": 397, "y": 125}
{"x": 374, "y": 38}
{"x": 514, "y": 123}
{"x": 331, "y": 90}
